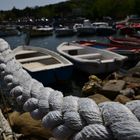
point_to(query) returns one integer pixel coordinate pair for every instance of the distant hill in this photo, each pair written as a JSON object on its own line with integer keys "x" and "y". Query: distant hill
{"x": 74, "y": 8}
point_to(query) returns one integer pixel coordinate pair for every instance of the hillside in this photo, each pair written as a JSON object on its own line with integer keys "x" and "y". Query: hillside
{"x": 74, "y": 8}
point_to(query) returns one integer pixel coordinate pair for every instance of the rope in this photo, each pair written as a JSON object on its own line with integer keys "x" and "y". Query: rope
{"x": 67, "y": 117}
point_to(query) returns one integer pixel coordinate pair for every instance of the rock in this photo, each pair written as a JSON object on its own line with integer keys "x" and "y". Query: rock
{"x": 114, "y": 75}
{"x": 137, "y": 97}
{"x": 129, "y": 92}
{"x": 92, "y": 86}
{"x": 122, "y": 99}
{"x": 98, "y": 98}
{"x": 134, "y": 69}
{"x": 95, "y": 79}
{"x": 138, "y": 64}
{"x": 52, "y": 138}
{"x": 135, "y": 87}
{"x": 27, "y": 126}
{"x": 112, "y": 88}
{"x": 136, "y": 74}
{"x": 130, "y": 79}
{"x": 114, "y": 85}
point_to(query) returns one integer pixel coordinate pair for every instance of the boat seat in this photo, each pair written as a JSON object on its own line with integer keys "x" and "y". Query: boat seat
{"x": 34, "y": 58}
{"x": 89, "y": 56}
{"x": 107, "y": 60}
{"x": 36, "y": 66}
{"x": 26, "y": 52}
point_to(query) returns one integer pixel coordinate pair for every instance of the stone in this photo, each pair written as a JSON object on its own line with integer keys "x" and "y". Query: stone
{"x": 92, "y": 86}
{"x": 137, "y": 97}
{"x": 136, "y": 74}
{"x": 52, "y": 138}
{"x": 95, "y": 79}
{"x": 112, "y": 88}
{"x": 130, "y": 79}
{"x": 129, "y": 92}
{"x": 122, "y": 99}
{"x": 98, "y": 98}
{"x": 114, "y": 85}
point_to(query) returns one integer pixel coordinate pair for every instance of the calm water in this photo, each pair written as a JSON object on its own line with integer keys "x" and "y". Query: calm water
{"x": 49, "y": 42}
{"x": 78, "y": 79}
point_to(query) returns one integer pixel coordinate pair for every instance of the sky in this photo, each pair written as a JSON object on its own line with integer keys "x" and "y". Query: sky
{"x": 21, "y": 4}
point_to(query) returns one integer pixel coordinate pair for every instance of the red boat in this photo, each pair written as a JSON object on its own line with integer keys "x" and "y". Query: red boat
{"x": 133, "y": 53}
{"x": 136, "y": 26}
{"x": 129, "y": 41}
{"x": 127, "y": 30}
{"x": 137, "y": 36}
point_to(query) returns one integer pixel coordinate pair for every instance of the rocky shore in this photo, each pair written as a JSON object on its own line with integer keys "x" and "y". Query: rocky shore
{"x": 119, "y": 87}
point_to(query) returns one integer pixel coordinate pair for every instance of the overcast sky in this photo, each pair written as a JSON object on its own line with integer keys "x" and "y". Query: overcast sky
{"x": 21, "y": 4}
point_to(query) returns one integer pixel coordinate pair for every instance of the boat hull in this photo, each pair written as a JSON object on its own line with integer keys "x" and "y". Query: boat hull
{"x": 64, "y": 32}
{"x": 94, "y": 68}
{"x": 59, "y": 75}
{"x": 105, "y": 31}
{"x": 38, "y": 33}
{"x": 86, "y": 31}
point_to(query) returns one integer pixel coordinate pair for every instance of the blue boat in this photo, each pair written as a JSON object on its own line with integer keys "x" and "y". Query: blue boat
{"x": 44, "y": 65}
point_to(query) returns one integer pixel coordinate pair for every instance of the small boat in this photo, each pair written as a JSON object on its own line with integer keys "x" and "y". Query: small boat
{"x": 44, "y": 65}
{"x": 125, "y": 41}
{"x": 137, "y": 35}
{"x": 9, "y": 31}
{"x": 85, "y": 29}
{"x": 103, "y": 28}
{"x": 129, "y": 25}
{"x": 64, "y": 31}
{"x": 91, "y": 60}
{"x": 133, "y": 53}
{"x": 41, "y": 31}
{"x": 136, "y": 26}
{"x": 126, "y": 30}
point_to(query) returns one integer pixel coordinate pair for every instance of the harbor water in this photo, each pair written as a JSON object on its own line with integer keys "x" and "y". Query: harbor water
{"x": 49, "y": 42}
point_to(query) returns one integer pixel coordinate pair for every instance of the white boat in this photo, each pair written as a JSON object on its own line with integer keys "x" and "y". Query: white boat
{"x": 41, "y": 31}
{"x": 103, "y": 28}
{"x": 85, "y": 29}
{"x": 44, "y": 65}
{"x": 9, "y": 31}
{"x": 91, "y": 60}
{"x": 64, "y": 31}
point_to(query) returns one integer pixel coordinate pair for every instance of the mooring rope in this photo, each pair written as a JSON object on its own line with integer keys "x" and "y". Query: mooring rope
{"x": 69, "y": 117}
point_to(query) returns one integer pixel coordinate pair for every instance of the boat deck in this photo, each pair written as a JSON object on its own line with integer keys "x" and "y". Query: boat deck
{"x": 34, "y": 58}
{"x": 37, "y": 66}
{"x": 81, "y": 54}
{"x": 25, "y": 52}
{"x": 36, "y": 61}
{"x": 72, "y": 47}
